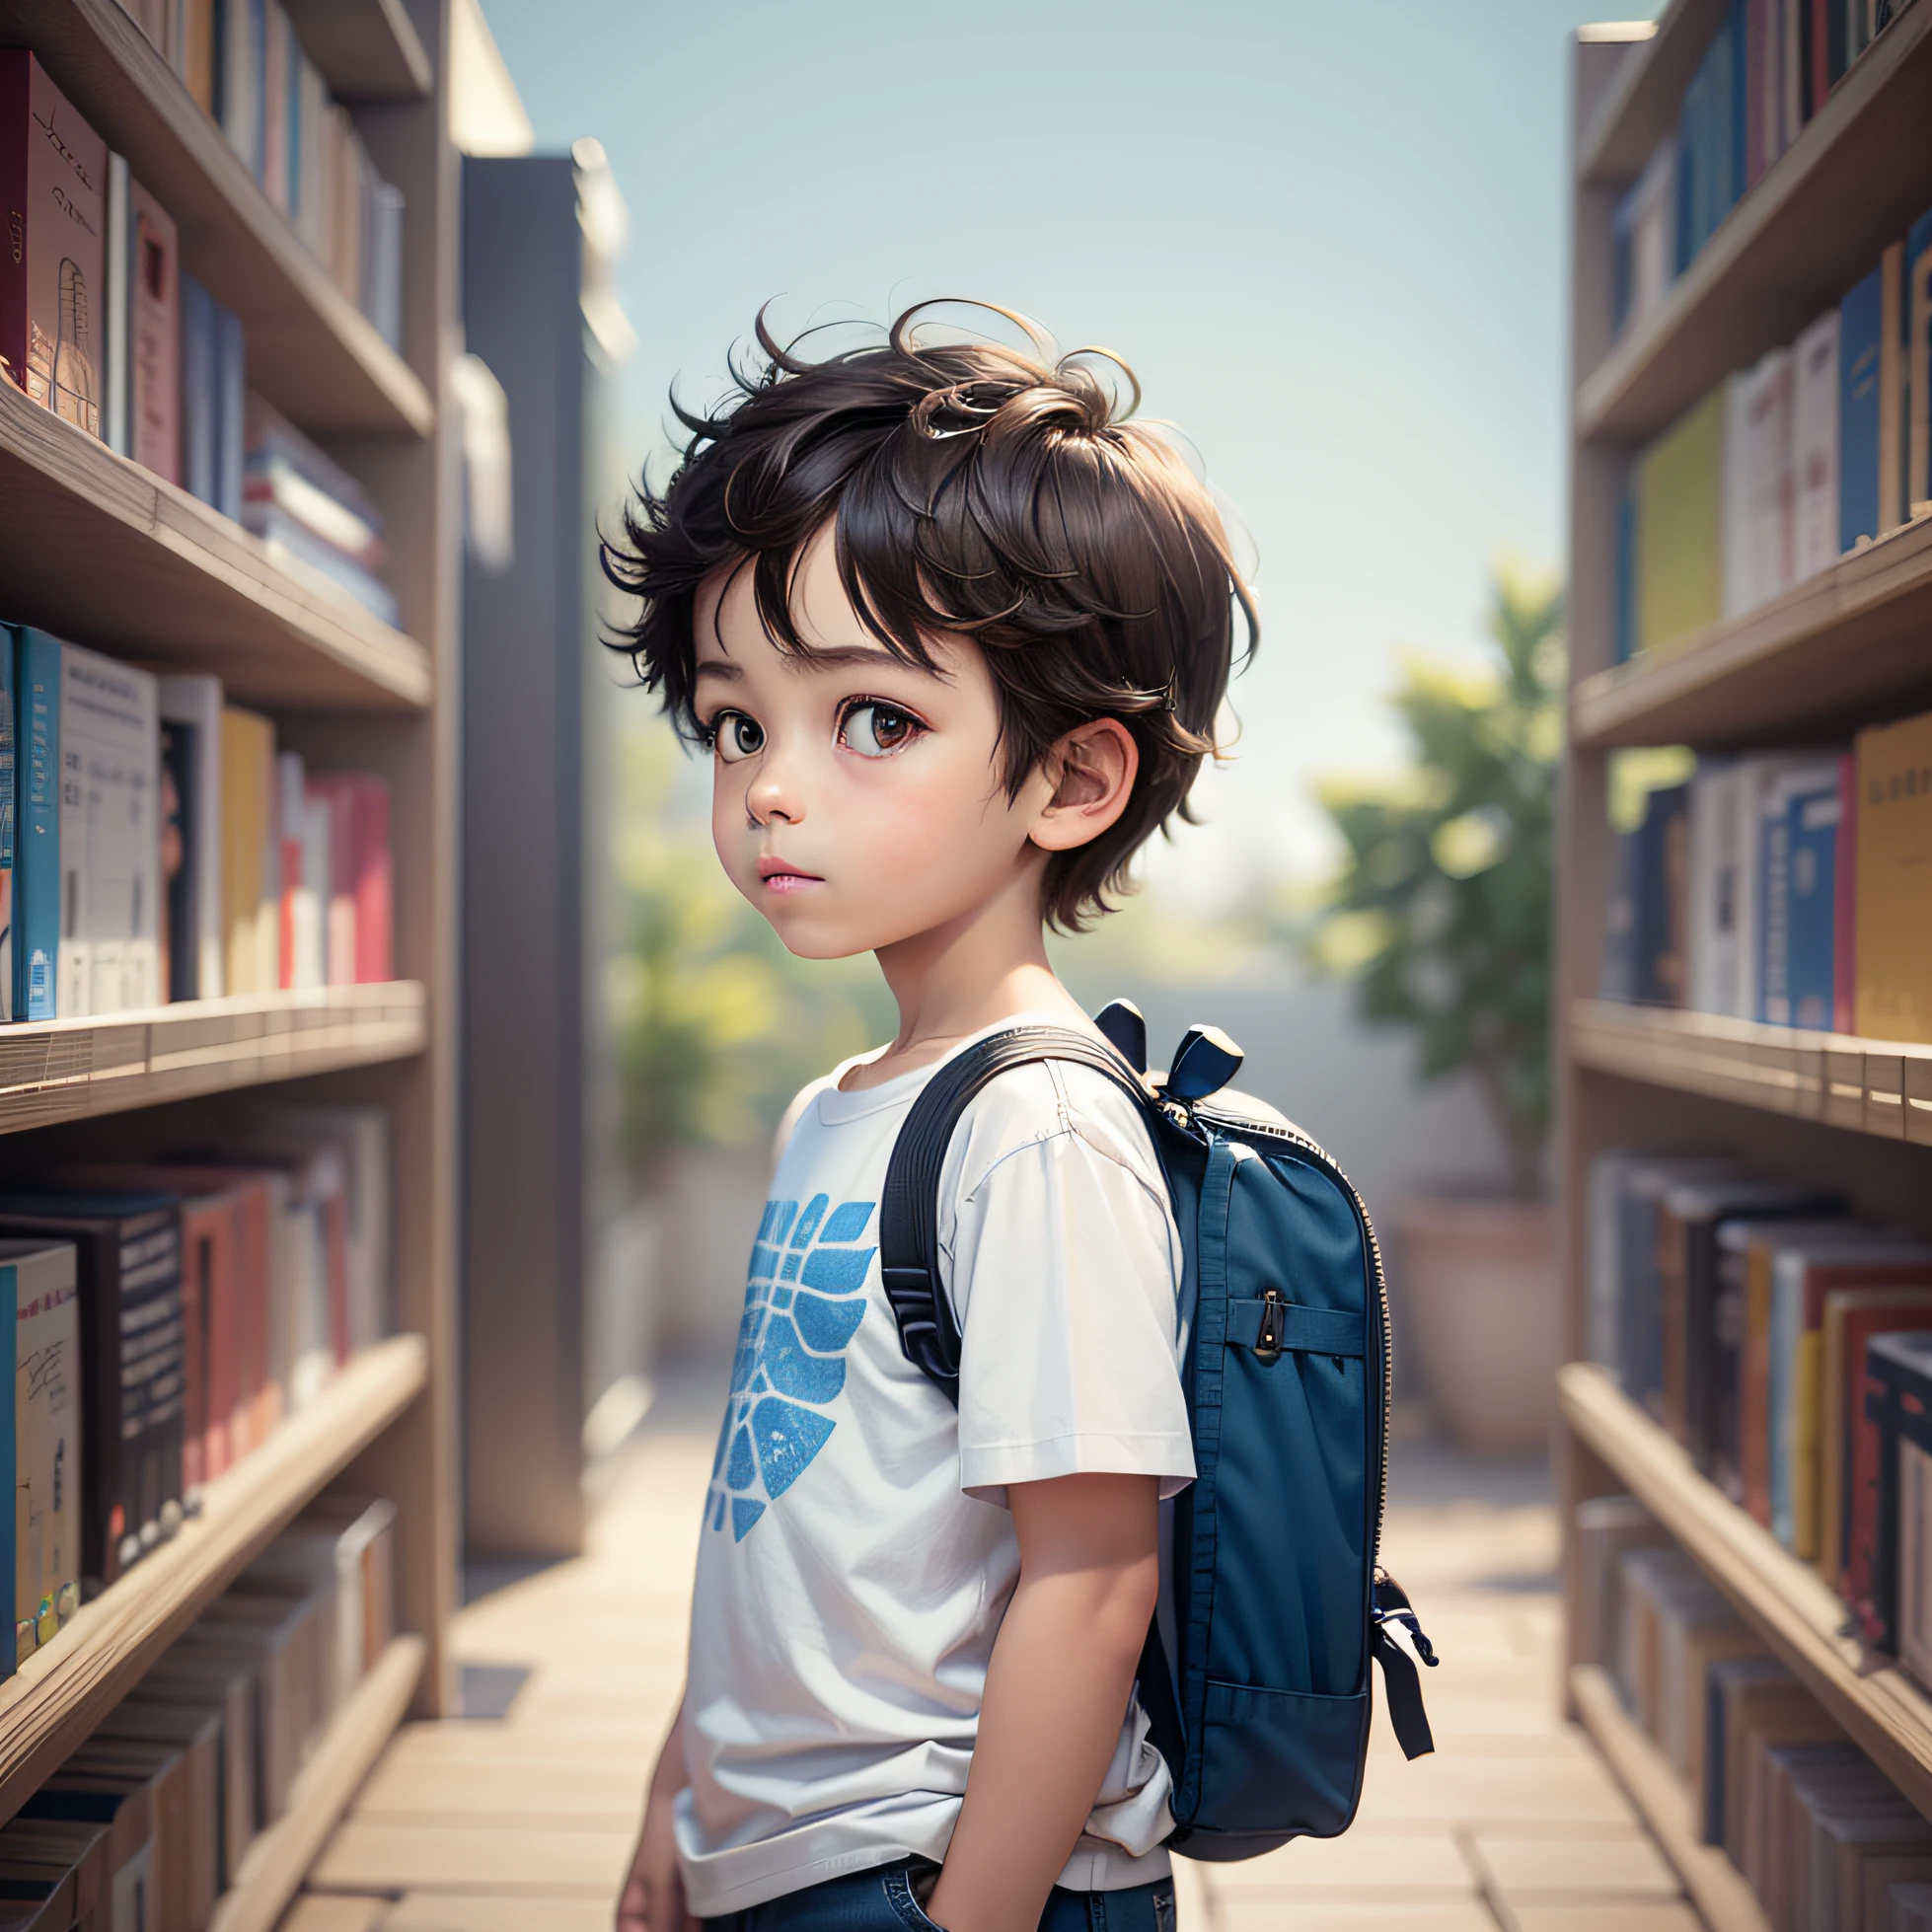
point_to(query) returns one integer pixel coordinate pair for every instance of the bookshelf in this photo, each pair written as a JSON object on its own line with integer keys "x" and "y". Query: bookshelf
{"x": 102, "y": 553}
{"x": 1850, "y": 646}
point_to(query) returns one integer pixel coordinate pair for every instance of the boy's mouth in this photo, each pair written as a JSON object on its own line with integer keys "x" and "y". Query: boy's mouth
{"x": 777, "y": 875}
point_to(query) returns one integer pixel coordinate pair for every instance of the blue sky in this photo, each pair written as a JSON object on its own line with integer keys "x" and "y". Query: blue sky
{"x": 1331, "y": 239}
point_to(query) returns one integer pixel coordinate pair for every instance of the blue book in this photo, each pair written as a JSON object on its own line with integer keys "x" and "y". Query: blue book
{"x": 200, "y": 440}
{"x": 7, "y": 809}
{"x": 1811, "y": 838}
{"x": 36, "y": 822}
{"x": 1861, "y": 332}
{"x": 231, "y": 413}
{"x": 1627, "y": 573}
{"x": 1660, "y": 858}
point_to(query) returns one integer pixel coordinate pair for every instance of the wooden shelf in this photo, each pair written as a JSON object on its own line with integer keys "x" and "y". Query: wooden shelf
{"x": 277, "y": 1860}
{"x": 99, "y": 551}
{"x": 69, "y": 1068}
{"x": 366, "y": 50}
{"x": 1886, "y": 1713}
{"x": 1640, "y": 106}
{"x": 1716, "y": 1886}
{"x": 1882, "y": 1087}
{"x": 310, "y": 349}
{"x": 1828, "y": 656}
{"x": 1852, "y": 182}
{"x": 62, "y": 1691}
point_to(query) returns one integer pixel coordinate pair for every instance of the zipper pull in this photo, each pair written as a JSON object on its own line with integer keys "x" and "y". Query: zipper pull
{"x": 1268, "y": 1343}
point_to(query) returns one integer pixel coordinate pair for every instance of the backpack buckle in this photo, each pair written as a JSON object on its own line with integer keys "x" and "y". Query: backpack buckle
{"x": 1268, "y": 1343}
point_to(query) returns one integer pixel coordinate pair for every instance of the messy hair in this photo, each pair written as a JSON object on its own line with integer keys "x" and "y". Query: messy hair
{"x": 976, "y": 490}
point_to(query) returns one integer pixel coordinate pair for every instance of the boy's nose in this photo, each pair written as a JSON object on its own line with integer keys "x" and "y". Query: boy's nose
{"x": 770, "y": 798}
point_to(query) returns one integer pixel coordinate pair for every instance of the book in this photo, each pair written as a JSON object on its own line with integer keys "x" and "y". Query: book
{"x": 231, "y": 390}
{"x": 276, "y": 48}
{"x": 1640, "y": 1293}
{"x": 1892, "y": 401}
{"x": 1711, "y": 925}
{"x": 1912, "y": 1630}
{"x": 154, "y": 336}
{"x": 108, "y": 958}
{"x": 36, "y": 824}
{"x": 304, "y": 877}
{"x": 115, "y": 307}
{"x": 1662, "y": 858}
{"x": 362, "y": 913}
{"x": 1783, "y": 817}
{"x": 248, "y": 756}
{"x": 287, "y": 471}
{"x": 1759, "y": 776}
{"x": 1848, "y": 1440}
{"x": 1814, "y": 447}
{"x": 1844, "y": 900}
{"x": 1761, "y": 484}
{"x": 1893, "y": 913}
{"x": 200, "y": 400}
{"x": 1606, "y": 1527}
{"x": 196, "y": 1732}
{"x": 190, "y": 708}
{"x": 1862, "y": 335}
{"x": 53, "y": 181}
{"x": 193, "y": 1682}
{"x": 1918, "y": 366}
{"x": 1811, "y": 917}
{"x": 294, "y": 547}
{"x": 128, "y": 1267}
{"x": 1757, "y": 1704}
{"x": 1680, "y": 527}
{"x": 7, "y": 769}
{"x": 46, "y": 1437}
{"x": 124, "y": 1802}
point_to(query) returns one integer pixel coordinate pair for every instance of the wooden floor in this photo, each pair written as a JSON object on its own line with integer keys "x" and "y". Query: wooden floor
{"x": 525, "y": 1823}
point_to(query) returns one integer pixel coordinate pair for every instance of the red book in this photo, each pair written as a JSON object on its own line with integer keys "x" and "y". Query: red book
{"x": 53, "y": 186}
{"x": 154, "y": 345}
{"x": 363, "y": 890}
{"x": 1844, "y": 900}
{"x": 1865, "y": 1314}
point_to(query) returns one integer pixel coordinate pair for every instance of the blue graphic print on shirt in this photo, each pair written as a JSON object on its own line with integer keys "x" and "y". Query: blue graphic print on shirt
{"x": 804, "y": 1304}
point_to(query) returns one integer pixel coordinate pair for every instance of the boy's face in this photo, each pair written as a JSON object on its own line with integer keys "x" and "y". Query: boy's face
{"x": 856, "y": 801}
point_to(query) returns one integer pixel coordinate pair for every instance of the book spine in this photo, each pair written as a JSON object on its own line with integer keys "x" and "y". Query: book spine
{"x": 9, "y": 812}
{"x": 16, "y": 1561}
{"x": 15, "y": 65}
{"x": 1918, "y": 366}
{"x": 199, "y": 441}
{"x": 149, "y": 1366}
{"x": 155, "y": 383}
{"x": 36, "y": 825}
{"x": 231, "y": 409}
{"x": 375, "y": 885}
{"x": 118, "y": 308}
{"x": 196, "y": 1295}
{"x": 224, "y": 1318}
{"x": 1892, "y": 401}
{"x": 1844, "y": 898}
{"x": 1758, "y": 52}
{"x": 1861, "y": 335}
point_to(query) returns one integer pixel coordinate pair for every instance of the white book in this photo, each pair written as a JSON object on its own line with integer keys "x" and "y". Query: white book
{"x": 46, "y": 1437}
{"x": 1756, "y": 775}
{"x": 1814, "y": 445}
{"x": 1712, "y": 929}
{"x": 194, "y": 704}
{"x": 1765, "y": 477}
{"x": 109, "y": 957}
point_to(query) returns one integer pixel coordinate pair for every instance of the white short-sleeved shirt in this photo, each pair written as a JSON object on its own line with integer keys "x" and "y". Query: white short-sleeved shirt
{"x": 856, "y": 1557}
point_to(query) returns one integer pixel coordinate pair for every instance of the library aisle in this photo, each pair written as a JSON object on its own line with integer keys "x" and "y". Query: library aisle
{"x": 479, "y": 1826}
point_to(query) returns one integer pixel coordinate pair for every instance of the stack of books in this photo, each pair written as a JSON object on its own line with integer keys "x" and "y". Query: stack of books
{"x": 159, "y": 846}
{"x": 1737, "y": 1309}
{"x": 148, "y": 1823}
{"x": 100, "y": 323}
{"x": 1817, "y": 449}
{"x": 1768, "y": 71}
{"x": 170, "y": 1312}
{"x": 243, "y": 65}
{"x": 1816, "y": 1830}
{"x": 1785, "y": 887}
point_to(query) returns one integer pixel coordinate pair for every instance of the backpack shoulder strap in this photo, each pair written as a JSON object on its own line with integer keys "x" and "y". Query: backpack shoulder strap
{"x": 908, "y": 1210}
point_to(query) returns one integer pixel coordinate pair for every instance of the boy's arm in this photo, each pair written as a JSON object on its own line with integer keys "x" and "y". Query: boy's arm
{"x": 1056, "y": 1692}
{"x": 652, "y": 1899}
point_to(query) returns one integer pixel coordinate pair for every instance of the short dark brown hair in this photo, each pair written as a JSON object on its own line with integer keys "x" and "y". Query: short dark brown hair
{"x": 972, "y": 490}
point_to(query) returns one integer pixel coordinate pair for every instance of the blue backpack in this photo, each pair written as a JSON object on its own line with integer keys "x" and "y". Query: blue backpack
{"x": 1255, "y": 1677}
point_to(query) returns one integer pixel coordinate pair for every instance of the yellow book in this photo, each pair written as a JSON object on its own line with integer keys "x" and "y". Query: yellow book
{"x": 246, "y": 748}
{"x": 1806, "y": 1386}
{"x": 1680, "y": 527}
{"x": 1893, "y": 958}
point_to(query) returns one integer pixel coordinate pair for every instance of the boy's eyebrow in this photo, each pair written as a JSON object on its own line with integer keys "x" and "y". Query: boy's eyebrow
{"x": 719, "y": 667}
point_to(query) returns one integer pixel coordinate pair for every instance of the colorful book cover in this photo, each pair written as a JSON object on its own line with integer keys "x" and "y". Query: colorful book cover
{"x": 53, "y": 178}
{"x": 1680, "y": 527}
{"x": 1918, "y": 365}
{"x": 36, "y": 824}
{"x": 154, "y": 336}
{"x": 194, "y": 704}
{"x": 47, "y": 1439}
{"x": 1861, "y": 345}
{"x": 7, "y": 812}
{"x": 1894, "y": 915}
{"x": 109, "y": 953}
{"x": 1844, "y": 901}
{"x": 1814, "y": 446}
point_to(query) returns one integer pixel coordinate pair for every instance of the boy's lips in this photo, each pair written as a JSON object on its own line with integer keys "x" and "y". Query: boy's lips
{"x": 780, "y": 875}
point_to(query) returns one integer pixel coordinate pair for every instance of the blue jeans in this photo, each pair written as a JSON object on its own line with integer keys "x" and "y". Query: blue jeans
{"x": 884, "y": 1901}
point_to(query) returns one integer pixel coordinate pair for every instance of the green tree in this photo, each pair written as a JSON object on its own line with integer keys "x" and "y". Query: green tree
{"x": 1442, "y": 906}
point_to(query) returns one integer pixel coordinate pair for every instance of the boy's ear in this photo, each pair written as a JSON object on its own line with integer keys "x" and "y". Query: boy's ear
{"x": 1092, "y": 769}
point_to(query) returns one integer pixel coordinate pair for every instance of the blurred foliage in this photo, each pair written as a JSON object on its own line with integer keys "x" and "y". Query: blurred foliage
{"x": 715, "y": 1027}
{"x": 1441, "y": 909}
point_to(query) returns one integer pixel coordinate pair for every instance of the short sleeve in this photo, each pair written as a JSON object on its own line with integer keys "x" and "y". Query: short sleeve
{"x": 1065, "y": 1268}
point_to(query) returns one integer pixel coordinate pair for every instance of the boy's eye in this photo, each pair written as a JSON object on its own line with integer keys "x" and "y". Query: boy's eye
{"x": 875, "y": 730}
{"x": 735, "y": 736}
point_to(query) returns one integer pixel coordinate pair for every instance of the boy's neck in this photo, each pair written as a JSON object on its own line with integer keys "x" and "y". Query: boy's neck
{"x": 954, "y": 980}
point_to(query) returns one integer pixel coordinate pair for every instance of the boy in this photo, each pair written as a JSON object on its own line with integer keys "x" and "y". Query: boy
{"x": 957, "y": 642}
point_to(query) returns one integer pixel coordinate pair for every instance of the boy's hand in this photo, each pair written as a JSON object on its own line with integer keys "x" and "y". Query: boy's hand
{"x": 653, "y": 1899}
